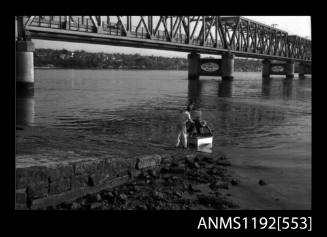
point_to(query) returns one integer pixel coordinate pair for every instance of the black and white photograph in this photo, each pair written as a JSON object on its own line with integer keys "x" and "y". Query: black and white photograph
{"x": 156, "y": 112}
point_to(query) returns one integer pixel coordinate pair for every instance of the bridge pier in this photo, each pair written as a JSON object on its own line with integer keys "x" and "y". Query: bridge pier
{"x": 24, "y": 67}
{"x": 289, "y": 69}
{"x": 304, "y": 69}
{"x": 274, "y": 68}
{"x": 193, "y": 66}
{"x": 227, "y": 66}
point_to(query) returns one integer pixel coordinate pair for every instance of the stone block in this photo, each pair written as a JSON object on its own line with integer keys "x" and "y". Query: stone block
{"x": 31, "y": 176}
{"x": 60, "y": 186}
{"x": 79, "y": 181}
{"x": 21, "y": 196}
{"x": 166, "y": 158}
{"x": 59, "y": 172}
{"x": 148, "y": 161}
{"x": 88, "y": 167}
{"x": 37, "y": 190}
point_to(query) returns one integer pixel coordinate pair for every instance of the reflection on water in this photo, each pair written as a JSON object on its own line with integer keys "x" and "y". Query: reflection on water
{"x": 206, "y": 148}
{"x": 25, "y": 110}
{"x": 225, "y": 88}
{"x": 195, "y": 90}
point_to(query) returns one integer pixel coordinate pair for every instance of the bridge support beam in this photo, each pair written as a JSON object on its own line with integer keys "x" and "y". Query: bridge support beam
{"x": 227, "y": 66}
{"x": 304, "y": 69}
{"x": 265, "y": 68}
{"x": 289, "y": 69}
{"x": 24, "y": 67}
{"x": 193, "y": 66}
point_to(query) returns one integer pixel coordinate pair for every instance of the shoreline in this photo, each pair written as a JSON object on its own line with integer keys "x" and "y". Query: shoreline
{"x": 52, "y": 176}
{"x": 281, "y": 188}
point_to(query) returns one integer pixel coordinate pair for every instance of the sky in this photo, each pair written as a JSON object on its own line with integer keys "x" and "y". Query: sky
{"x": 297, "y": 25}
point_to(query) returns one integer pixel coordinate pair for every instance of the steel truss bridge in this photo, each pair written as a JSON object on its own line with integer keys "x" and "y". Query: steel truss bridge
{"x": 199, "y": 34}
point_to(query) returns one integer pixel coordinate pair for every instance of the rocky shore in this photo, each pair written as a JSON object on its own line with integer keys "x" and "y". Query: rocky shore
{"x": 192, "y": 182}
{"x": 57, "y": 169}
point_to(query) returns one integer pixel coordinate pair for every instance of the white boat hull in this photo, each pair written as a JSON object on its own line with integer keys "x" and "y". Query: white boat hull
{"x": 199, "y": 141}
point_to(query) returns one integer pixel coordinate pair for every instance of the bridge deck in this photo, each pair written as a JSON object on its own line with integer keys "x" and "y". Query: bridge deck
{"x": 208, "y": 35}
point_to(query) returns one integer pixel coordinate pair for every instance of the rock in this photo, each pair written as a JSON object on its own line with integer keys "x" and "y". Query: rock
{"x": 196, "y": 165}
{"x": 166, "y": 159}
{"x": 210, "y": 200}
{"x": 219, "y": 185}
{"x": 223, "y": 163}
{"x": 92, "y": 198}
{"x": 123, "y": 197}
{"x": 174, "y": 163}
{"x": 75, "y": 206}
{"x": 141, "y": 207}
{"x": 178, "y": 194}
{"x": 136, "y": 188}
{"x": 158, "y": 195}
{"x": 193, "y": 164}
{"x": 95, "y": 205}
{"x": 152, "y": 173}
{"x": 21, "y": 196}
{"x": 148, "y": 161}
{"x": 222, "y": 156}
{"x": 166, "y": 176}
{"x": 190, "y": 158}
{"x": 234, "y": 182}
{"x": 262, "y": 182}
{"x": 214, "y": 171}
{"x": 133, "y": 173}
{"x": 98, "y": 197}
{"x": 177, "y": 170}
{"x": 191, "y": 189}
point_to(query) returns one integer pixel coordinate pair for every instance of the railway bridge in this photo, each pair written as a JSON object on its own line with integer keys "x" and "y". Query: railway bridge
{"x": 228, "y": 36}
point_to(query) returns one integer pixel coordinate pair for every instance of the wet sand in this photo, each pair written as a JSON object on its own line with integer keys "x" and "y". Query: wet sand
{"x": 288, "y": 186}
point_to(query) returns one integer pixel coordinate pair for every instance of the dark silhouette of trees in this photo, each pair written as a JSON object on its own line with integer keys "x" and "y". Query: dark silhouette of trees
{"x": 84, "y": 60}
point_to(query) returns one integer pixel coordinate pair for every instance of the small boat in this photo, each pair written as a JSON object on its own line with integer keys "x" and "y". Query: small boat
{"x": 199, "y": 140}
{"x": 204, "y": 137}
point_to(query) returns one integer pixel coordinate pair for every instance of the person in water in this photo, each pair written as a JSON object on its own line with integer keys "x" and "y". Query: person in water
{"x": 183, "y": 119}
{"x": 197, "y": 128}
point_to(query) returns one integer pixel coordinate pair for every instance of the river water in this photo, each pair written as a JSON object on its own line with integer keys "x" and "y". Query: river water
{"x": 261, "y": 123}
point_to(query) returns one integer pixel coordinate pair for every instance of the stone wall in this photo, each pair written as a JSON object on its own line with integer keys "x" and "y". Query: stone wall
{"x": 42, "y": 183}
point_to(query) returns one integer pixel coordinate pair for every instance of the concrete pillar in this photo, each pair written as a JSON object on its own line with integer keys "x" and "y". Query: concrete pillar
{"x": 227, "y": 66}
{"x": 302, "y": 71}
{"x": 193, "y": 66}
{"x": 289, "y": 69}
{"x": 265, "y": 68}
{"x": 25, "y": 110}
{"x": 24, "y": 67}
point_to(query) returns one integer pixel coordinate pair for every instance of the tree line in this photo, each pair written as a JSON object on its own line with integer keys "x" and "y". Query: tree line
{"x": 86, "y": 60}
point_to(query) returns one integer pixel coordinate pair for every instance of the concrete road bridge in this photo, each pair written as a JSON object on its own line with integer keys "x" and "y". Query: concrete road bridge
{"x": 228, "y": 36}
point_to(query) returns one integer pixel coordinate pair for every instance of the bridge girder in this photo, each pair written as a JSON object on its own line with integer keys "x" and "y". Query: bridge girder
{"x": 229, "y": 33}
